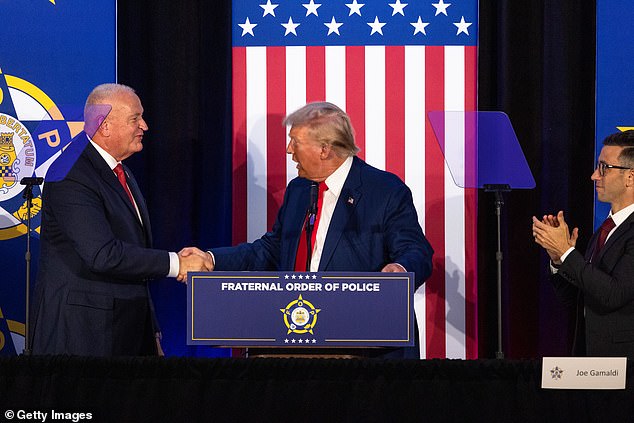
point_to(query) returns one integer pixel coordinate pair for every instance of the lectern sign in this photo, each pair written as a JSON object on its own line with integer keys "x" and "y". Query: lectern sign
{"x": 285, "y": 309}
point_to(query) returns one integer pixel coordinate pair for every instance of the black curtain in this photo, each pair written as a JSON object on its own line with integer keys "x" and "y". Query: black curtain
{"x": 536, "y": 63}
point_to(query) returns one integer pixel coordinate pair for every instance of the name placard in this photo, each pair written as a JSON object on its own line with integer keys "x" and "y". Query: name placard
{"x": 583, "y": 372}
{"x": 291, "y": 309}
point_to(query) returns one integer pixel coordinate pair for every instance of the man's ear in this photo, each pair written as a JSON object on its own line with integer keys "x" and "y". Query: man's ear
{"x": 326, "y": 149}
{"x": 104, "y": 126}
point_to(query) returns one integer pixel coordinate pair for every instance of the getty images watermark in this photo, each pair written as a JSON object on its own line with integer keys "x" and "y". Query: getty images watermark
{"x": 44, "y": 416}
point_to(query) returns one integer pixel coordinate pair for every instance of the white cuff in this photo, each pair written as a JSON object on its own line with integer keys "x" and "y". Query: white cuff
{"x": 174, "y": 265}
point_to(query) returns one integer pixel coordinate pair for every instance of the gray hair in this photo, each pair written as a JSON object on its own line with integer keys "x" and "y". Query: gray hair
{"x": 328, "y": 124}
{"x": 94, "y": 114}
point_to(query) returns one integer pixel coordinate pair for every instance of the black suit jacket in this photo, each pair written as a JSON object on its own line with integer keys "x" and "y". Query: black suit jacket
{"x": 91, "y": 294}
{"x": 604, "y": 292}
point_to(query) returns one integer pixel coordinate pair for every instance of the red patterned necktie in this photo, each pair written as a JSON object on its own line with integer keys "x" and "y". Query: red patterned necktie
{"x": 604, "y": 230}
{"x": 302, "y": 249}
{"x": 118, "y": 170}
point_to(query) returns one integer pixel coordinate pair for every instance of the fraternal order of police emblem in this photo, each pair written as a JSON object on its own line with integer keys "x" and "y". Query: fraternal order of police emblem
{"x": 32, "y": 134}
{"x": 300, "y": 316}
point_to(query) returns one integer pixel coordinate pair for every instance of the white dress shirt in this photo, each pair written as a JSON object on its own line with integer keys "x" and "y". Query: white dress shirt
{"x": 334, "y": 183}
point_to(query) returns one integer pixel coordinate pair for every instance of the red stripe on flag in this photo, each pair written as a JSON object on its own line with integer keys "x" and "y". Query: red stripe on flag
{"x": 395, "y": 110}
{"x": 275, "y": 131}
{"x": 315, "y": 74}
{"x": 435, "y": 206}
{"x": 471, "y": 212}
{"x": 355, "y": 93}
{"x": 239, "y": 159}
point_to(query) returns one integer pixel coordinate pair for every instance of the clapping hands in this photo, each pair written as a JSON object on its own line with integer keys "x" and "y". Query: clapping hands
{"x": 192, "y": 259}
{"x": 553, "y": 234}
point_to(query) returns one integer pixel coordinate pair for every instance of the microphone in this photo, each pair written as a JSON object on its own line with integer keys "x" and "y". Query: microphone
{"x": 312, "y": 208}
{"x": 35, "y": 180}
{"x": 310, "y": 222}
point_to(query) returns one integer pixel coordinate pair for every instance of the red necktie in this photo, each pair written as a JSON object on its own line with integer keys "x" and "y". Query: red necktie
{"x": 118, "y": 170}
{"x": 604, "y": 230}
{"x": 302, "y": 249}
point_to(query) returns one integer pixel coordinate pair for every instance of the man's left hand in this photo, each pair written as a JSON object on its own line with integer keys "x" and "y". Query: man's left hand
{"x": 394, "y": 267}
{"x": 553, "y": 234}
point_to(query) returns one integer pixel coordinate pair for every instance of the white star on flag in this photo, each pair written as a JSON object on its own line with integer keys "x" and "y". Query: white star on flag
{"x": 355, "y": 7}
{"x": 311, "y": 8}
{"x": 247, "y": 27}
{"x": 441, "y": 7}
{"x": 376, "y": 26}
{"x": 398, "y": 7}
{"x": 419, "y": 26}
{"x": 333, "y": 26}
{"x": 269, "y": 9}
{"x": 290, "y": 27}
{"x": 462, "y": 26}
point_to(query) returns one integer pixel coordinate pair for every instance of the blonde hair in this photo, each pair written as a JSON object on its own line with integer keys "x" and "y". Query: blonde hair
{"x": 328, "y": 124}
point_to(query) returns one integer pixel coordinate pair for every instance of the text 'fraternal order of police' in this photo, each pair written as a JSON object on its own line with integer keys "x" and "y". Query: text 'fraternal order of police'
{"x": 302, "y": 286}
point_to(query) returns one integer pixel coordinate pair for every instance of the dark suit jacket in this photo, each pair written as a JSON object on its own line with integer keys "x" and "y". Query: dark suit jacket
{"x": 91, "y": 294}
{"x": 605, "y": 289}
{"x": 374, "y": 223}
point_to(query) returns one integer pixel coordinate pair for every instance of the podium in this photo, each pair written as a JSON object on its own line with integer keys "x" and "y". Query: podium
{"x": 308, "y": 314}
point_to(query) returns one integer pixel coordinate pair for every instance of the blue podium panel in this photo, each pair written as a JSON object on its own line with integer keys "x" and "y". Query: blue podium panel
{"x": 289, "y": 309}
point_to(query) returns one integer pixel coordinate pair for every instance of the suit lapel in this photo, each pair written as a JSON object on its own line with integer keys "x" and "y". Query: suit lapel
{"x": 108, "y": 176}
{"x": 348, "y": 201}
{"x": 140, "y": 202}
{"x": 623, "y": 229}
{"x": 592, "y": 244}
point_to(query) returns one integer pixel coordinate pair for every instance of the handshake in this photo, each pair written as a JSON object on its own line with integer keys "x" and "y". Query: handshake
{"x": 192, "y": 259}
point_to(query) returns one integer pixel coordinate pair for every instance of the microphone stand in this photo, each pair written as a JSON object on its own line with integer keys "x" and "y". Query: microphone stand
{"x": 498, "y": 189}
{"x": 28, "y": 195}
{"x": 310, "y": 223}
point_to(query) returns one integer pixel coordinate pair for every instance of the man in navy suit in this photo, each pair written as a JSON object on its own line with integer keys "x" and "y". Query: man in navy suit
{"x": 96, "y": 256}
{"x": 599, "y": 285}
{"x": 365, "y": 221}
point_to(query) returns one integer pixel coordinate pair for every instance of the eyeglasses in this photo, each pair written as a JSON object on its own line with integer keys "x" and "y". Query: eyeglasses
{"x": 602, "y": 166}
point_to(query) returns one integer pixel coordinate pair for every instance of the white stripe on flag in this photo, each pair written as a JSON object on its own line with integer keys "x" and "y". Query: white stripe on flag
{"x": 295, "y": 93}
{"x": 256, "y": 141}
{"x": 454, "y": 206}
{"x": 336, "y": 75}
{"x": 375, "y": 106}
{"x": 415, "y": 155}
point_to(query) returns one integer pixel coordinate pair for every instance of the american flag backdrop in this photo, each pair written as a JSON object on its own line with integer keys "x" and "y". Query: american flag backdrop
{"x": 386, "y": 63}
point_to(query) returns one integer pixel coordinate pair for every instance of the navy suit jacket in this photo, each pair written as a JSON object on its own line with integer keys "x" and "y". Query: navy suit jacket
{"x": 603, "y": 293}
{"x": 91, "y": 293}
{"x": 374, "y": 223}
